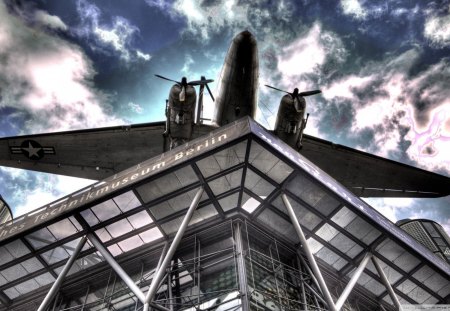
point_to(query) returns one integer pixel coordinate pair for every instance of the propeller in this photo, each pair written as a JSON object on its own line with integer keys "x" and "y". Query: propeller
{"x": 295, "y": 93}
{"x": 183, "y": 83}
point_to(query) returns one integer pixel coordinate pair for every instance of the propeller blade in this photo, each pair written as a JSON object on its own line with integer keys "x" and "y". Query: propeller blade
{"x": 199, "y": 82}
{"x": 164, "y": 78}
{"x": 277, "y": 89}
{"x": 309, "y": 93}
{"x": 209, "y": 91}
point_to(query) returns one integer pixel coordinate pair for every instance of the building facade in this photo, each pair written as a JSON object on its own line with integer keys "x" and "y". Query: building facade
{"x": 430, "y": 234}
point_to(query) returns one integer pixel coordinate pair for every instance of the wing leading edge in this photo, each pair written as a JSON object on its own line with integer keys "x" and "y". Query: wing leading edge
{"x": 368, "y": 175}
{"x": 91, "y": 153}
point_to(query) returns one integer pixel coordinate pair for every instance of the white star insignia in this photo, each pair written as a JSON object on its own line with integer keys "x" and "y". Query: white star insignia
{"x": 32, "y": 151}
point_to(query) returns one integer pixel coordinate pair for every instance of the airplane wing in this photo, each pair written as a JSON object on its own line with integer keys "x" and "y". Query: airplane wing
{"x": 368, "y": 175}
{"x": 92, "y": 153}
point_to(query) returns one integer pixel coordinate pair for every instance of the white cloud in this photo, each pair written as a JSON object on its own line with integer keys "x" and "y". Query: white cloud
{"x": 437, "y": 29}
{"x": 384, "y": 99}
{"x": 48, "y": 78}
{"x": 135, "y": 108}
{"x": 303, "y": 55}
{"x": 354, "y": 9}
{"x": 48, "y": 189}
{"x": 118, "y": 35}
{"x": 48, "y": 20}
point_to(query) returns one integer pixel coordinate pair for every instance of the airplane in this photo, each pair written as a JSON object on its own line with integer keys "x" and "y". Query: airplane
{"x": 102, "y": 152}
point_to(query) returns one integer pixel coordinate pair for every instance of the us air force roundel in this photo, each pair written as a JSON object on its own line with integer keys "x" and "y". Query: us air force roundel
{"x": 32, "y": 150}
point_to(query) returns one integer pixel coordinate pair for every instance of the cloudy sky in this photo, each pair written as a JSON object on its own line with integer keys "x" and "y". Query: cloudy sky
{"x": 383, "y": 67}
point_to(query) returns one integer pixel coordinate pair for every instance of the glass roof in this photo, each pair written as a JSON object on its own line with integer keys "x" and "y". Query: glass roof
{"x": 244, "y": 170}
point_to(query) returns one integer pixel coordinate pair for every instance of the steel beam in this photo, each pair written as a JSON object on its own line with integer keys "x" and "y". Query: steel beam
{"x": 165, "y": 263}
{"x": 309, "y": 254}
{"x": 353, "y": 280}
{"x": 242, "y": 274}
{"x": 386, "y": 283}
{"x": 62, "y": 275}
{"x": 116, "y": 267}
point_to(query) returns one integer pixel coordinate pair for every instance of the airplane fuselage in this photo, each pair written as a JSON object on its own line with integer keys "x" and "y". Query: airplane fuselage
{"x": 238, "y": 84}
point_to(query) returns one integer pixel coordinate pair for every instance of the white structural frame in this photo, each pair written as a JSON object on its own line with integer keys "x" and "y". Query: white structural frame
{"x": 320, "y": 280}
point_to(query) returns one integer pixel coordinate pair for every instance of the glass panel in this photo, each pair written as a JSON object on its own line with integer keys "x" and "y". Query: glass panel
{"x": 17, "y": 249}
{"x": 27, "y": 286}
{"x": 5, "y": 256}
{"x": 396, "y": 254}
{"x": 32, "y": 265}
{"x": 229, "y": 202}
{"x": 250, "y": 204}
{"x": 62, "y": 229}
{"x": 392, "y": 274}
{"x": 278, "y": 224}
{"x": 199, "y": 215}
{"x": 346, "y": 245}
{"x": 140, "y": 219}
{"x": 11, "y": 293}
{"x": 314, "y": 245}
{"x": 257, "y": 185}
{"x": 430, "y": 279}
{"x": 55, "y": 255}
{"x": 223, "y": 159}
{"x": 130, "y": 243}
{"x": 40, "y": 238}
{"x": 14, "y": 272}
{"x": 331, "y": 257}
{"x": 106, "y": 210}
{"x": 103, "y": 234}
{"x": 167, "y": 184}
{"x": 115, "y": 250}
{"x": 305, "y": 217}
{"x": 268, "y": 163}
{"x": 309, "y": 192}
{"x": 119, "y": 228}
{"x": 227, "y": 182}
{"x": 151, "y": 235}
{"x": 90, "y": 217}
{"x": 362, "y": 230}
{"x": 179, "y": 203}
{"x": 127, "y": 201}
{"x": 44, "y": 279}
{"x": 343, "y": 217}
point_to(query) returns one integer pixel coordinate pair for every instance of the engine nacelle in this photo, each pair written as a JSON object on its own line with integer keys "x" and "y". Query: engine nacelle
{"x": 290, "y": 120}
{"x": 181, "y": 114}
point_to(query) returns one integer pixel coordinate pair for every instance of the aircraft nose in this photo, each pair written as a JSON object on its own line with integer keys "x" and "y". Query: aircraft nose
{"x": 245, "y": 36}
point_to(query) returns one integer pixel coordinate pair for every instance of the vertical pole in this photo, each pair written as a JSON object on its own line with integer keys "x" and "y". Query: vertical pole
{"x": 169, "y": 288}
{"x": 198, "y": 275}
{"x": 116, "y": 267}
{"x": 302, "y": 285}
{"x": 55, "y": 287}
{"x": 352, "y": 281}
{"x": 176, "y": 240}
{"x": 242, "y": 275}
{"x": 385, "y": 280}
{"x": 309, "y": 254}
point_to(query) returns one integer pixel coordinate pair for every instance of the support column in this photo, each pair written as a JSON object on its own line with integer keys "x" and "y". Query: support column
{"x": 116, "y": 267}
{"x": 353, "y": 281}
{"x": 309, "y": 254}
{"x": 386, "y": 283}
{"x": 62, "y": 275}
{"x": 176, "y": 240}
{"x": 242, "y": 274}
